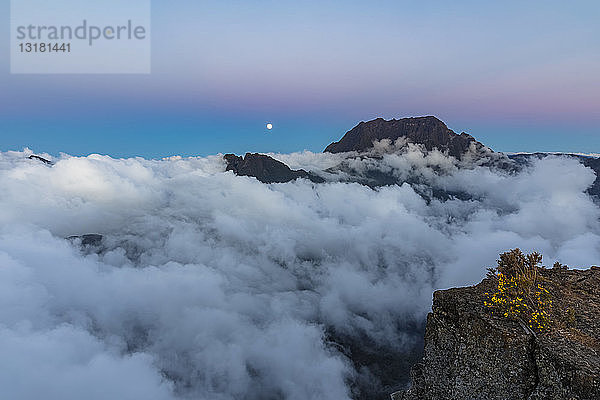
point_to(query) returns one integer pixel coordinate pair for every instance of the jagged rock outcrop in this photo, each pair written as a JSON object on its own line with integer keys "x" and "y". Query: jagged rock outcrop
{"x": 472, "y": 354}
{"x": 91, "y": 239}
{"x": 38, "y": 158}
{"x": 266, "y": 169}
{"x": 428, "y": 131}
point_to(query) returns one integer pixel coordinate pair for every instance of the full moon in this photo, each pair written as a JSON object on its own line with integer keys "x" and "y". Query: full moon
{"x": 269, "y": 126}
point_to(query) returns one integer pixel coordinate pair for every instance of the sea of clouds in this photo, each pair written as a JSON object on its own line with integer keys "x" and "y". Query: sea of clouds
{"x": 214, "y": 286}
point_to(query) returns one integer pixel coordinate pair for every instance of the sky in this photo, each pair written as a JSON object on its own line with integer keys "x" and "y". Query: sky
{"x": 518, "y": 76}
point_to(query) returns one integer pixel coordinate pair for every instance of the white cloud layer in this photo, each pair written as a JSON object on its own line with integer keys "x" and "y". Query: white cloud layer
{"x": 213, "y": 286}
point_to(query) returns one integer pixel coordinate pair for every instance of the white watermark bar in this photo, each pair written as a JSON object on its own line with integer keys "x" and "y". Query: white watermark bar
{"x": 80, "y": 37}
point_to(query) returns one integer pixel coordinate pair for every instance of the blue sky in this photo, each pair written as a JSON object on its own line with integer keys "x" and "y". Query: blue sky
{"x": 519, "y": 76}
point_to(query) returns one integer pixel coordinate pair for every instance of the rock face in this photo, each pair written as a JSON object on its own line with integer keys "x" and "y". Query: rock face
{"x": 471, "y": 354}
{"x": 593, "y": 163}
{"x": 91, "y": 239}
{"x": 266, "y": 169}
{"x": 428, "y": 131}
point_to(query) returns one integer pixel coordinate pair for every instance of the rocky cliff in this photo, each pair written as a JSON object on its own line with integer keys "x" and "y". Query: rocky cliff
{"x": 472, "y": 354}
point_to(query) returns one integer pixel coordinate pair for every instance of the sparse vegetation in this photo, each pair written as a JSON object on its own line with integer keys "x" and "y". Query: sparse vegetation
{"x": 520, "y": 293}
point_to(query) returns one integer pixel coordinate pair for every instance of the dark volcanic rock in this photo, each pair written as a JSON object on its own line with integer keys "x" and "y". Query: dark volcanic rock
{"x": 428, "y": 131}
{"x": 92, "y": 239}
{"x": 266, "y": 169}
{"x": 34, "y": 157}
{"x": 378, "y": 367}
{"x": 471, "y": 354}
{"x": 593, "y": 163}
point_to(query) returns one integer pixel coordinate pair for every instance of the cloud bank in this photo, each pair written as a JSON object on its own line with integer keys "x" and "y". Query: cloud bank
{"x": 213, "y": 286}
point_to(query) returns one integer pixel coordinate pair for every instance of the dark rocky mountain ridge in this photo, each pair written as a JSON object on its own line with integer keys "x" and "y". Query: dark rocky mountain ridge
{"x": 38, "y": 158}
{"x": 428, "y": 131}
{"x": 266, "y": 169}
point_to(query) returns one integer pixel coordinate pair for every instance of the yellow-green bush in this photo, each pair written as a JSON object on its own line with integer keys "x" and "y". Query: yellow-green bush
{"x": 520, "y": 293}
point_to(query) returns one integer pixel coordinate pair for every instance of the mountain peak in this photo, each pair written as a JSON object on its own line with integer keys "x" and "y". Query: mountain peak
{"x": 266, "y": 169}
{"x": 428, "y": 131}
